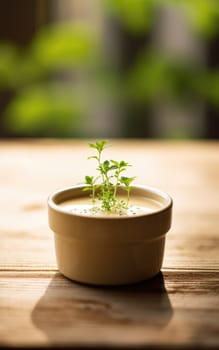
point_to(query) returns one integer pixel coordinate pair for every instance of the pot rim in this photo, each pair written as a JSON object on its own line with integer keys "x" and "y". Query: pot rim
{"x": 153, "y": 190}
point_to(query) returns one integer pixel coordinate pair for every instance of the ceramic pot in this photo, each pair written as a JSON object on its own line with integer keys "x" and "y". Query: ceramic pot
{"x": 109, "y": 250}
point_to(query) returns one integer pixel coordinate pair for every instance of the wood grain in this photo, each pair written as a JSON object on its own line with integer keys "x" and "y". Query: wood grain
{"x": 39, "y": 307}
{"x": 147, "y": 313}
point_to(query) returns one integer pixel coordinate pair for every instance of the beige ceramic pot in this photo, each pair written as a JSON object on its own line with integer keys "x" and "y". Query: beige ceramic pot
{"x": 109, "y": 250}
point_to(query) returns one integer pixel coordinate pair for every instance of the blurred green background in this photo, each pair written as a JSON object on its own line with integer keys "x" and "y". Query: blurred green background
{"x": 109, "y": 68}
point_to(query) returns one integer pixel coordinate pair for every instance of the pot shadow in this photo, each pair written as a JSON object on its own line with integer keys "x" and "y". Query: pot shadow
{"x": 67, "y": 310}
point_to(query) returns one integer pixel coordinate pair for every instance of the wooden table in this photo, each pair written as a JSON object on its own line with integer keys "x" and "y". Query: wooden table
{"x": 39, "y": 307}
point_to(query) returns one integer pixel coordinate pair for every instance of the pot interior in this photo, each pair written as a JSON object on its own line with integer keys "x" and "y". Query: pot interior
{"x": 145, "y": 196}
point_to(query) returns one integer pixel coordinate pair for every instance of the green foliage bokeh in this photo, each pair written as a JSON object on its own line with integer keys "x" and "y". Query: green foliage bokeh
{"x": 45, "y": 105}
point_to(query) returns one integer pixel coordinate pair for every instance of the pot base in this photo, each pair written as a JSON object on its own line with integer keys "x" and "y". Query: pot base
{"x": 102, "y": 263}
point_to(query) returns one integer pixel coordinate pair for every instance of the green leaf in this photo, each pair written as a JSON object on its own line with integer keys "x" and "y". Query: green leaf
{"x": 123, "y": 164}
{"x": 93, "y": 157}
{"x": 101, "y": 145}
{"x": 86, "y": 189}
{"x": 113, "y": 167}
{"x": 127, "y": 180}
{"x": 89, "y": 180}
{"x": 106, "y": 165}
{"x": 115, "y": 163}
{"x": 92, "y": 145}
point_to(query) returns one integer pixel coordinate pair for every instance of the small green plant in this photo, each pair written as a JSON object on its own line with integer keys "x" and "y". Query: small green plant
{"x": 104, "y": 187}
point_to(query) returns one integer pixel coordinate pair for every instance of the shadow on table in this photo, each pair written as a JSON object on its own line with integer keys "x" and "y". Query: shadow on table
{"x": 67, "y": 310}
